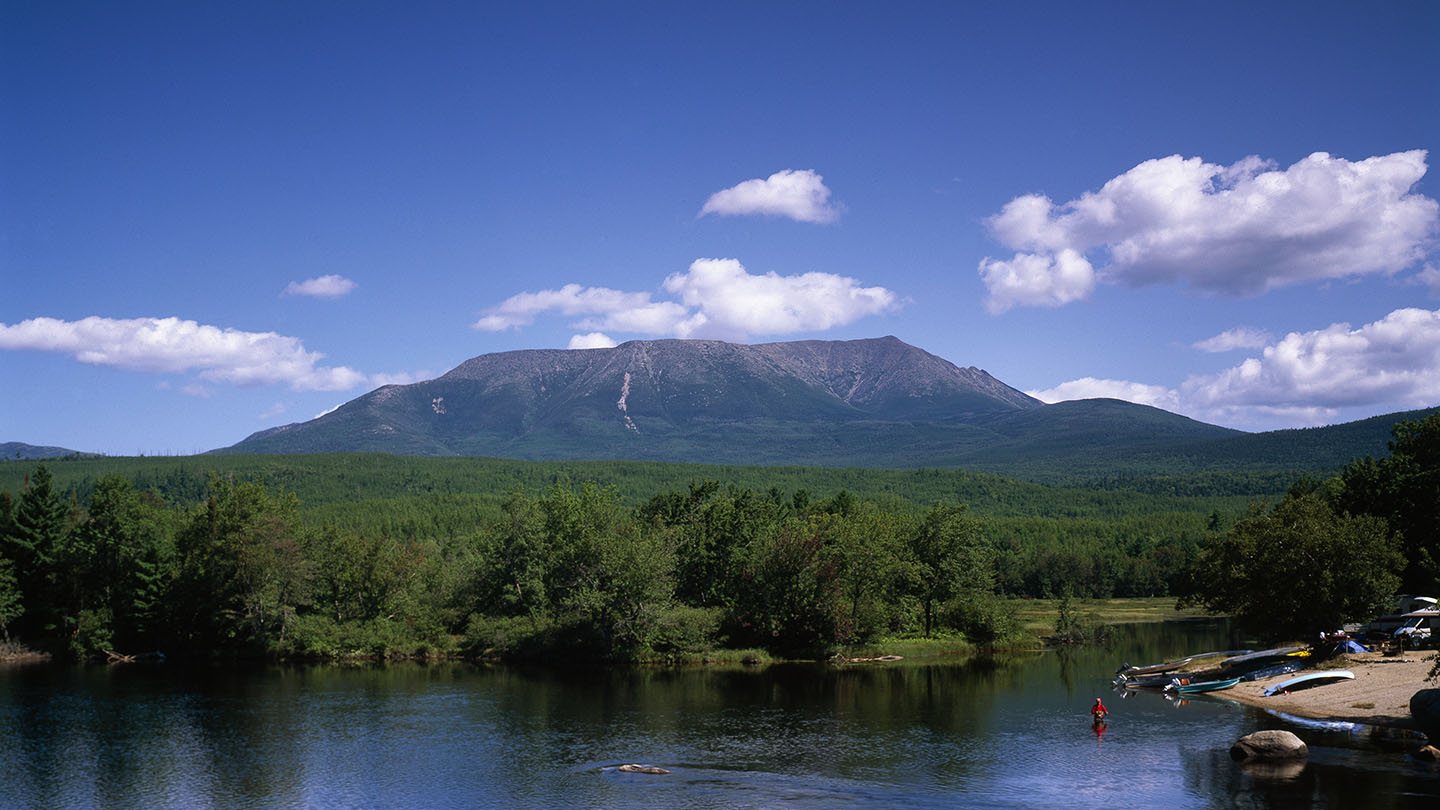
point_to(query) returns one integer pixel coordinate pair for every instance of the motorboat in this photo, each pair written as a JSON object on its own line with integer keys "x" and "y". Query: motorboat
{"x": 1185, "y": 687}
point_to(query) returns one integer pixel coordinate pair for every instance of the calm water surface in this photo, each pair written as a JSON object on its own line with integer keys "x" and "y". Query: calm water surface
{"x": 1008, "y": 731}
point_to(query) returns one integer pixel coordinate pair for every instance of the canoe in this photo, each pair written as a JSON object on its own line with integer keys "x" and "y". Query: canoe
{"x": 1249, "y": 658}
{"x": 1245, "y": 663}
{"x": 1145, "y": 681}
{"x": 1170, "y": 666}
{"x": 1183, "y": 687}
{"x": 1271, "y": 671}
{"x": 1308, "y": 680}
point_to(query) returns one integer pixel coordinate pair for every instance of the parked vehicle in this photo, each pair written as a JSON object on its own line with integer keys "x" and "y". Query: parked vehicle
{"x": 1385, "y": 626}
{"x": 1418, "y": 627}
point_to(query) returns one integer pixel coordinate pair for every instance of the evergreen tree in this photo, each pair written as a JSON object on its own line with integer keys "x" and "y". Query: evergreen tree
{"x": 1404, "y": 489}
{"x": 112, "y": 572}
{"x": 11, "y": 606}
{"x": 37, "y": 534}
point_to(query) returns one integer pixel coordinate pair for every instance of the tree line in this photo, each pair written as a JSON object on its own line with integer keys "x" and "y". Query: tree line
{"x": 570, "y": 568}
{"x": 576, "y": 569}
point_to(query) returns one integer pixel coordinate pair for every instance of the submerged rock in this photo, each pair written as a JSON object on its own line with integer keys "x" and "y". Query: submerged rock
{"x": 1268, "y": 745}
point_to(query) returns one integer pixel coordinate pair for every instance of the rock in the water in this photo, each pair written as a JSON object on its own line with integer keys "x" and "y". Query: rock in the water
{"x": 1427, "y": 754}
{"x": 642, "y": 769}
{"x": 1425, "y": 708}
{"x": 1268, "y": 745}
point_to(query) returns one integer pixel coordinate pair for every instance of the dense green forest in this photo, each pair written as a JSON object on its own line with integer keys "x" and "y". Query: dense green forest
{"x": 350, "y": 478}
{"x": 357, "y": 554}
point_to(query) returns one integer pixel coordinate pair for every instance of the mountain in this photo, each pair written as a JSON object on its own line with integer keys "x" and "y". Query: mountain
{"x": 865, "y": 403}
{"x": 22, "y": 450}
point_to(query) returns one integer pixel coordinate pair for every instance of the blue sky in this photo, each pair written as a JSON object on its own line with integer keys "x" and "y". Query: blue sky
{"x": 221, "y": 217}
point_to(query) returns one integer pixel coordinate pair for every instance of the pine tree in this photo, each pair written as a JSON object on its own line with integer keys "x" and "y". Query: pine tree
{"x": 38, "y": 529}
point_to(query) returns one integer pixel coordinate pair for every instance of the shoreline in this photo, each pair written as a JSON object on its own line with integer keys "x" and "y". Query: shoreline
{"x": 1378, "y": 696}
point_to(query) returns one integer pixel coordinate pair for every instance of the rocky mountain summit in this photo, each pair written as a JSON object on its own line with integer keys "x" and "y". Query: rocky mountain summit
{"x": 874, "y": 402}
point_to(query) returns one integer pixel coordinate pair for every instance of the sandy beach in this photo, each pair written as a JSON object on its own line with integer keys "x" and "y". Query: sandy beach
{"x": 1379, "y": 694}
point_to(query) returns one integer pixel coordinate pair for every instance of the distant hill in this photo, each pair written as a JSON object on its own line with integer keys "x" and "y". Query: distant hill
{"x": 21, "y": 450}
{"x": 874, "y": 403}
{"x": 1077, "y": 454}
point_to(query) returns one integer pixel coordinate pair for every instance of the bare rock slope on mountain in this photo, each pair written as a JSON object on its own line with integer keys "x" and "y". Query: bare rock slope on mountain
{"x": 876, "y": 402}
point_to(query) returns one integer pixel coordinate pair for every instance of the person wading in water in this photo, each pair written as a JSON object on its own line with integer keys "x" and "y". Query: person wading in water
{"x": 1098, "y": 712}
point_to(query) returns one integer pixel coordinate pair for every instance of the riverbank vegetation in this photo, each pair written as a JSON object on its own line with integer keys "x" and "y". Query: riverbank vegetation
{"x": 1334, "y": 551}
{"x": 366, "y": 555}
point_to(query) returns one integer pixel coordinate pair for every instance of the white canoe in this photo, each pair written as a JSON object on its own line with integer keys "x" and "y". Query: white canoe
{"x": 1310, "y": 679}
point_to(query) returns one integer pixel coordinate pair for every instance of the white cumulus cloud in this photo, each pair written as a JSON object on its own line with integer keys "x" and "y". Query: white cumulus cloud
{"x": 1091, "y": 388}
{"x": 800, "y": 195}
{"x": 1237, "y": 230}
{"x": 398, "y": 378}
{"x": 1303, "y": 378}
{"x": 331, "y": 286}
{"x": 718, "y": 298}
{"x": 172, "y": 345}
{"x": 1037, "y": 280}
{"x": 593, "y": 340}
{"x": 734, "y": 302}
{"x": 1241, "y": 337}
{"x": 1394, "y": 360}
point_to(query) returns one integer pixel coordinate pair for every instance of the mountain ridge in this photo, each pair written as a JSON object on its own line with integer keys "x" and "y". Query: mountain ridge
{"x": 876, "y": 402}
{"x": 872, "y": 402}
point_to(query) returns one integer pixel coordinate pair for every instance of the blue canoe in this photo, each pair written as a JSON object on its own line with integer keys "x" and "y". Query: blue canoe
{"x": 1308, "y": 680}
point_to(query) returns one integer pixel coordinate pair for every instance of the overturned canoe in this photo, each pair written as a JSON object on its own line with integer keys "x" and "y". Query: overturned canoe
{"x": 1170, "y": 666}
{"x": 1308, "y": 680}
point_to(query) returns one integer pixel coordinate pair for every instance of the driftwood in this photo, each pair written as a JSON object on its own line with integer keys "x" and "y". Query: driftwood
{"x": 112, "y": 657}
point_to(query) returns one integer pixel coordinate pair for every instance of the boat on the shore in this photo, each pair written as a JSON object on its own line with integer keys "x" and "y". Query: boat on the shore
{"x": 1170, "y": 666}
{"x": 1185, "y": 687}
{"x": 1308, "y": 680}
{"x": 1241, "y": 664}
{"x": 1156, "y": 681}
{"x": 1275, "y": 670}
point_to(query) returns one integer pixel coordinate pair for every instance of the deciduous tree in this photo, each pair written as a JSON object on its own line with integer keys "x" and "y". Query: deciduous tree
{"x": 1298, "y": 569}
{"x": 947, "y": 559}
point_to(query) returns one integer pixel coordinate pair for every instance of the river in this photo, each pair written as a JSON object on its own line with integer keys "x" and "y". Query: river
{"x": 989, "y": 731}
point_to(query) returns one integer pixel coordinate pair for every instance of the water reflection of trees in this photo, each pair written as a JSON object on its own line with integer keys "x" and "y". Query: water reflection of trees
{"x": 815, "y": 718}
